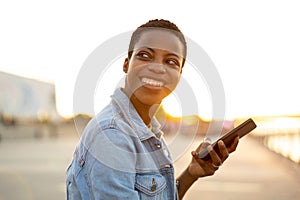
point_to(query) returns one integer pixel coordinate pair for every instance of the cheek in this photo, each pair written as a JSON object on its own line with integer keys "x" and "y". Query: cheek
{"x": 132, "y": 79}
{"x": 175, "y": 78}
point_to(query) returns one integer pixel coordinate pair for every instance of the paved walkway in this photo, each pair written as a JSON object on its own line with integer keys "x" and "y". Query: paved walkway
{"x": 35, "y": 169}
{"x": 252, "y": 172}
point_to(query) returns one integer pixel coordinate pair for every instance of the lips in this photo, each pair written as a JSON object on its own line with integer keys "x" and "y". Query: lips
{"x": 152, "y": 82}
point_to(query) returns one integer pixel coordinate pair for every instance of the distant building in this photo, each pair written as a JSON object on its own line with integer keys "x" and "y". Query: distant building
{"x": 27, "y": 99}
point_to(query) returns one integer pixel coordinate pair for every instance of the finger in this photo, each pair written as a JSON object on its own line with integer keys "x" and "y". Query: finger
{"x": 223, "y": 150}
{"x": 233, "y": 145}
{"x": 196, "y": 157}
{"x": 215, "y": 159}
{"x": 215, "y": 167}
{"x": 207, "y": 166}
{"x": 203, "y": 145}
{"x": 204, "y": 163}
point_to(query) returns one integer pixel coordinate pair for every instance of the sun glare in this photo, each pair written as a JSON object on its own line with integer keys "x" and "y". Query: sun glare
{"x": 282, "y": 135}
{"x": 172, "y": 106}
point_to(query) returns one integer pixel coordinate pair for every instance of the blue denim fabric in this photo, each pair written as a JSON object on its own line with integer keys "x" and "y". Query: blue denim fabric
{"x": 118, "y": 157}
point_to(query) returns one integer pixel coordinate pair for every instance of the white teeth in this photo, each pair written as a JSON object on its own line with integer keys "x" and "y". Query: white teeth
{"x": 152, "y": 82}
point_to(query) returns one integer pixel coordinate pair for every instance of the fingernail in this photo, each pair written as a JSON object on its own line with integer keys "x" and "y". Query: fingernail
{"x": 194, "y": 153}
{"x": 209, "y": 148}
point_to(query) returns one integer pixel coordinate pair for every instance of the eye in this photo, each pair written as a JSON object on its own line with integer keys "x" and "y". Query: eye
{"x": 143, "y": 55}
{"x": 173, "y": 62}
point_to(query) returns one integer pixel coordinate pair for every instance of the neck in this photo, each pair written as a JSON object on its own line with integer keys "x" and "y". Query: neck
{"x": 145, "y": 111}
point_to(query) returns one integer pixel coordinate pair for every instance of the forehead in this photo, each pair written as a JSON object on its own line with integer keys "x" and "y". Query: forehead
{"x": 160, "y": 39}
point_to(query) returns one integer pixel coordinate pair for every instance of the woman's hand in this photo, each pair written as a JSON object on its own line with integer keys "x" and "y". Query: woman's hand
{"x": 200, "y": 168}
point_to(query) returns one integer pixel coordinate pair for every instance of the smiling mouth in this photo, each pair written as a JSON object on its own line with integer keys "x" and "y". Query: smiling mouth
{"x": 152, "y": 82}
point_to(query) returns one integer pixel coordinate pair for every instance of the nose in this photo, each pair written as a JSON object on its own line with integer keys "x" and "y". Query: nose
{"x": 157, "y": 68}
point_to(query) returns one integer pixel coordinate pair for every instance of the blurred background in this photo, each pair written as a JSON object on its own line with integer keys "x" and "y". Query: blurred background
{"x": 254, "y": 45}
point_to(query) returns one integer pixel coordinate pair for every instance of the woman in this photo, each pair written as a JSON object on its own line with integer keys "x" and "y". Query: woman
{"x": 122, "y": 154}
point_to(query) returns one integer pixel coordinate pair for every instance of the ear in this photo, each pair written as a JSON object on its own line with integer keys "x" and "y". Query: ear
{"x": 125, "y": 65}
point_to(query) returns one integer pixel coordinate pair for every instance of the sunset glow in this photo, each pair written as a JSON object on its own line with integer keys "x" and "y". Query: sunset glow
{"x": 258, "y": 64}
{"x": 281, "y": 135}
{"x": 172, "y": 106}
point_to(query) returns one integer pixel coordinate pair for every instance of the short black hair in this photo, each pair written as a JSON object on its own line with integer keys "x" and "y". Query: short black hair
{"x": 157, "y": 23}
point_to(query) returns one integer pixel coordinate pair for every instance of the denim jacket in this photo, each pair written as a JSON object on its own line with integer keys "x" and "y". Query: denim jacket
{"x": 119, "y": 157}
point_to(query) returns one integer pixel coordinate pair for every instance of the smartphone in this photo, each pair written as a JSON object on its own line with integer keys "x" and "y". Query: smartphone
{"x": 241, "y": 130}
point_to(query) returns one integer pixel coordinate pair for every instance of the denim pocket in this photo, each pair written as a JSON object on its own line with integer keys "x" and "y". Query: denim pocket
{"x": 151, "y": 186}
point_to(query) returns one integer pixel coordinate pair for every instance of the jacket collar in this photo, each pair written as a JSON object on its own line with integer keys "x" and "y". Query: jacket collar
{"x": 125, "y": 106}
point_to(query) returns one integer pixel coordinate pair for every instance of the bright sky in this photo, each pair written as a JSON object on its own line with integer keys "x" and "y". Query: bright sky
{"x": 255, "y": 46}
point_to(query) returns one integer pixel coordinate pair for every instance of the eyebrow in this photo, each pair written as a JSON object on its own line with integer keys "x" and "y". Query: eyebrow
{"x": 152, "y": 50}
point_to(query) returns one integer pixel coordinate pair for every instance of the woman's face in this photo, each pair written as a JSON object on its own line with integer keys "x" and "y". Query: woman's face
{"x": 154, "y": 69}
